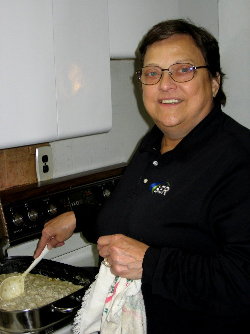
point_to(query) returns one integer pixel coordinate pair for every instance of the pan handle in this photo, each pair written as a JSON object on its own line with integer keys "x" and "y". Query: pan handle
{"x": 68, "y": 305}
{"x": 63, "y": 310}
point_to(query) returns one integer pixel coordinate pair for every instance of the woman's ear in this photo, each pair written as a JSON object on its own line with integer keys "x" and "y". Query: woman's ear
{"x": 215, "y": 84}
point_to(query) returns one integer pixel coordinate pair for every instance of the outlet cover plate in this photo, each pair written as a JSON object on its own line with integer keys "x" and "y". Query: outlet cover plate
{"x": 44, "y": 163}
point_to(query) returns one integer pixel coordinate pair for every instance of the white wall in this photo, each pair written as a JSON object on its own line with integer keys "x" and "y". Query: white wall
{"x": 234, "y": 38}
{"x": 201, "y": 12}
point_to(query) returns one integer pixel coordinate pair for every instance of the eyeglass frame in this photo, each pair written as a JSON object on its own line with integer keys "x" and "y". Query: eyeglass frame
{"x": 194, "y": 68}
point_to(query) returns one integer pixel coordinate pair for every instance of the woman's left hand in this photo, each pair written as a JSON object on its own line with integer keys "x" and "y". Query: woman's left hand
{"x": 125, "y": 255}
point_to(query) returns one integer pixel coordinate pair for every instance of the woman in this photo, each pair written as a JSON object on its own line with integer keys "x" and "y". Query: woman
{"x": 179, "y": 218}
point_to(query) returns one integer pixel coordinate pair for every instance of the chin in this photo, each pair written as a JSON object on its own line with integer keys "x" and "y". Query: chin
{"x": 168, "y": 123}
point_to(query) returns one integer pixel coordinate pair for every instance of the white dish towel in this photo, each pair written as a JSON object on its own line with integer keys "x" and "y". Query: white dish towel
{"x": 111, "y": 305}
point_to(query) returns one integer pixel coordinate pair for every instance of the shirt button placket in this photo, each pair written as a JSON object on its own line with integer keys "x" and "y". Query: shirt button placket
{"x": 155, "y": 163}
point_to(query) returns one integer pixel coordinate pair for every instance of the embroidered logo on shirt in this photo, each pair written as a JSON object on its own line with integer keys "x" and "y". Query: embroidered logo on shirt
{"x": 159, "y": 188}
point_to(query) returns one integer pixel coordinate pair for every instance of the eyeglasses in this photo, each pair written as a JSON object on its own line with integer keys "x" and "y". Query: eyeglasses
{"x": 179, "y": 72}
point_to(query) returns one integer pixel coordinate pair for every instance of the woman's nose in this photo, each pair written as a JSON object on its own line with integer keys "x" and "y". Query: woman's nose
{"x": 166, "y": 81}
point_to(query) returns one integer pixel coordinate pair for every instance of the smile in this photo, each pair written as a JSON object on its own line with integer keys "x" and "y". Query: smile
{"x": 170, "y": 101}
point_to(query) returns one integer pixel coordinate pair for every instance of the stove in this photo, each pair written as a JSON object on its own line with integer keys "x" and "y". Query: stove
{"x": 24, "y": 211}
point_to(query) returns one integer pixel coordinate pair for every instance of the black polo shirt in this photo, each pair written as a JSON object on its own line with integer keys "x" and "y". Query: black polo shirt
{"x": 191, "y": 205}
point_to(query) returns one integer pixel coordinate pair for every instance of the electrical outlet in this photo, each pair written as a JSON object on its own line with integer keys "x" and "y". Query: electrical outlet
{"x": 44, "y": 163}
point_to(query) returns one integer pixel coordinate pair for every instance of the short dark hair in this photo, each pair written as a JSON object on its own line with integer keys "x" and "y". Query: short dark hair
{"x": 205, "y": 41}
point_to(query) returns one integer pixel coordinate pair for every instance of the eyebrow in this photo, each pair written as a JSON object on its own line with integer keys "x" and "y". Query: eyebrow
{"x": 181, "y": 61}
{"x": 187, "y": 60}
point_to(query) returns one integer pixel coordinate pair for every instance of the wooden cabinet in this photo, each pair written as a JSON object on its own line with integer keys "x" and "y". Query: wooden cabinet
{"x": 54, "y": 70}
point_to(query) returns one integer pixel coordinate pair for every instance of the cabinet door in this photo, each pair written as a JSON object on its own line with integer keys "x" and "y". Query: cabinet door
{"x": 27, "y": 75}
{"x": 129, "y": 20}
{"x": 54, "y": 70}
{"x": 82, "y": 67}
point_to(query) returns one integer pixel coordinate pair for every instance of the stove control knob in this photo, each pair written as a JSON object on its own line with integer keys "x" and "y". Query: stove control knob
{"x": 52, "y": 209}
{"x": 17, "y": 219}
{"x": 106, "y": 193}
{"x": 33, "y": 215}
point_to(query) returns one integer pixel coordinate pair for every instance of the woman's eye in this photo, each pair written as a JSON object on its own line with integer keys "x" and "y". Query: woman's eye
{"x": 185, "y": 69}
{"x": 152, "y": 74}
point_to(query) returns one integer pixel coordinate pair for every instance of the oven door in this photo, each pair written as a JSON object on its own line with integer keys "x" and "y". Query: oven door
{"x": 64, "y": 330}
{"x": 76, "y": 251}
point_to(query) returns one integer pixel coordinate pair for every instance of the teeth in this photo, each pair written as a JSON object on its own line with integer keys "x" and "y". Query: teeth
{"x": 170, "y": 101}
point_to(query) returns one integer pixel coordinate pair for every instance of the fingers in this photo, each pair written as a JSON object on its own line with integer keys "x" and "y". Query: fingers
{"x": 40, "y": 246}
{"x": 124, "y": 255}
{"x": 56, "y": 231}
{"x": 121, "y": 245}
{"x": 53, "y": 242}
{"x": 106, "y": 240}
{"x": 106, "y": 243}
{"x": 46, "y": 239}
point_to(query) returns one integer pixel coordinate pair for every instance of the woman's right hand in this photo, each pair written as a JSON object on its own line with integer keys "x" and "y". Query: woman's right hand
{"x": 56, "y": 231}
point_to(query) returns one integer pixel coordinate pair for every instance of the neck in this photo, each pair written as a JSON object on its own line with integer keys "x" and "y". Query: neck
{"x": 168, "y": 144}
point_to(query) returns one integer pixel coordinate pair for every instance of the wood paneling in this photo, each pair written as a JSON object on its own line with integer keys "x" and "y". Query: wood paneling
{"x": 17, "y": 166}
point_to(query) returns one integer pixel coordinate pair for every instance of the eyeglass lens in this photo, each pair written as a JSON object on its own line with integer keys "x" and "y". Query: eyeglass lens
{"x": 150, "y": 75}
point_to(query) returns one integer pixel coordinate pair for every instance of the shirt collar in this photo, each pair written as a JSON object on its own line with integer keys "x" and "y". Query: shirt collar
{"x": 202, "y": 131}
